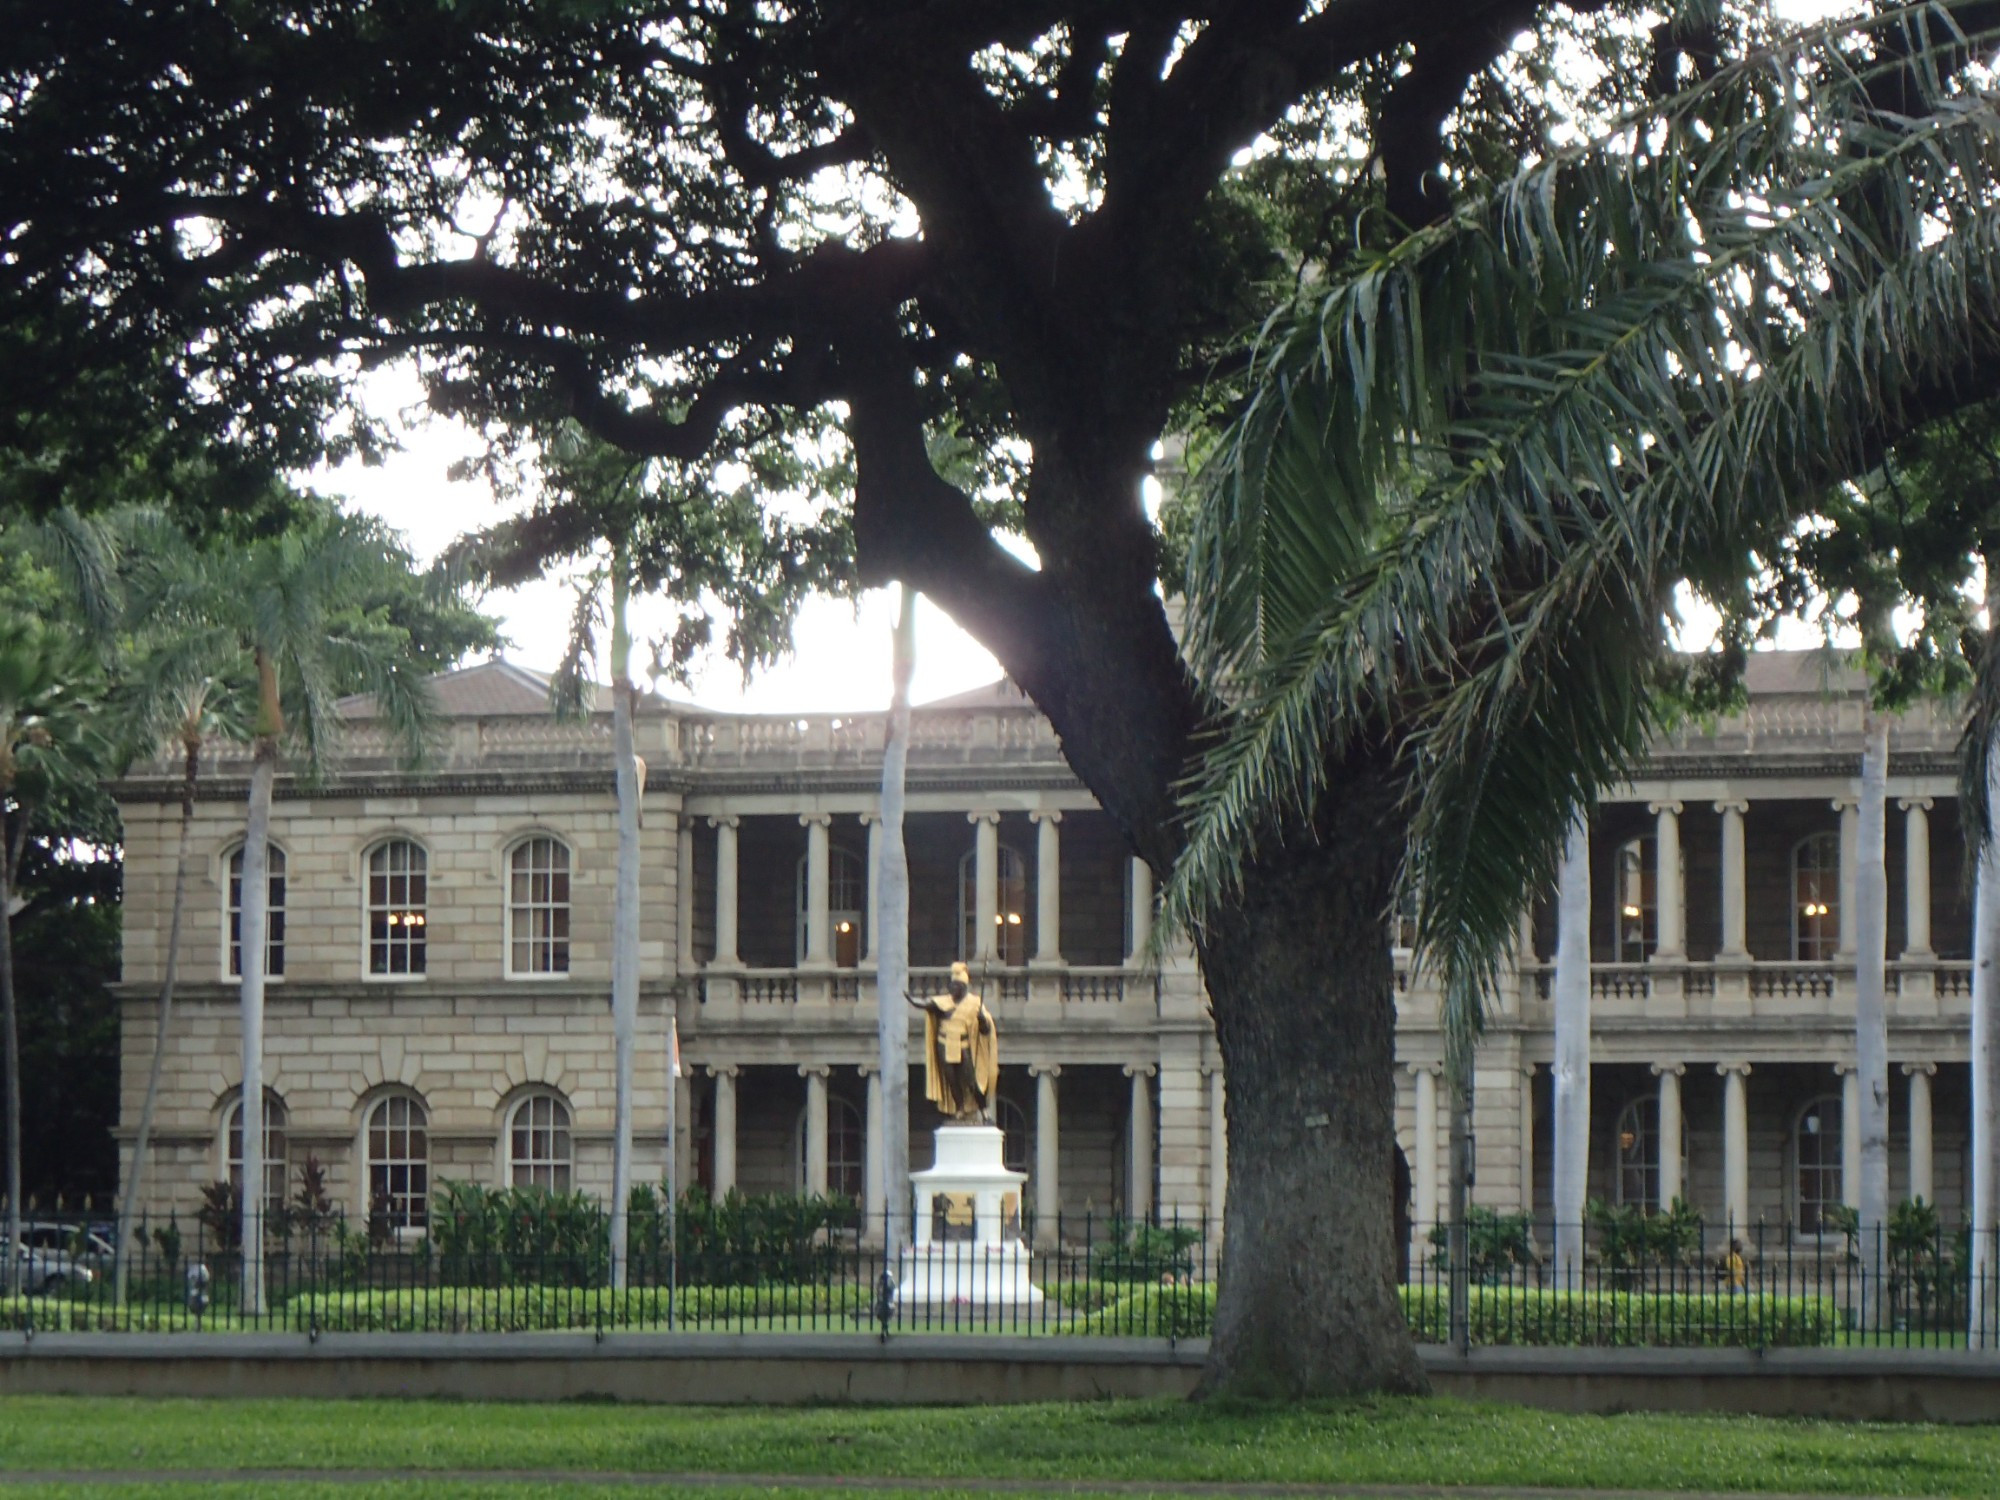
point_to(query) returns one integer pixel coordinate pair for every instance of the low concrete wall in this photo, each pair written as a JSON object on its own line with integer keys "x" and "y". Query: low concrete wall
{"x": 1884, "y": 1385}
{"x": 705, "y": 1369}
{"x": 790, "y": 1369}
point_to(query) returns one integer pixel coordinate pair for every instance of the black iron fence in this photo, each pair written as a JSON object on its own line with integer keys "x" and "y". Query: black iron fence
{"x": 518, "y": 1262}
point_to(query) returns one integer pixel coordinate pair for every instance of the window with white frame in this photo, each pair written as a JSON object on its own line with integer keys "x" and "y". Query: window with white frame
{"x": 1010, "y": 920}
{"x": 274, "y": 917}
{"x": 398, "y": 916}
{"x": 397, "y": 1141}
{"x": 846, "y": 1147}
{"x": 1816, "y": 1180}
{"x": 1637, "y": 912}
{"x": 1638, "y": 1142}
{"x": 538, "y": 1143}
{"x": 1816, "y": 898}
{"x": 276, "y": 1166}
{"x": 846, "y": 903}
{"x": 1016, "y": 1141}
{"x": 538, "y": 907}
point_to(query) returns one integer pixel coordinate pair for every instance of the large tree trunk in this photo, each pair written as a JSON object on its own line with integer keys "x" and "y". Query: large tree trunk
{"x": 255, "y": 922}
{"x": 892, "y": 947}
{"x": 1572, "y": 1049}
{"x": 12, "y": 841}
{"x": 121, "y": 1250}
{"x": 625, "y": 916}
{"x": 1303, "y": 986}
{"x": 1871, "y": 973}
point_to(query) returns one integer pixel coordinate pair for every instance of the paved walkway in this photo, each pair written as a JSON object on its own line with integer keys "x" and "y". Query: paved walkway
{"x": 1194, "y": 1489}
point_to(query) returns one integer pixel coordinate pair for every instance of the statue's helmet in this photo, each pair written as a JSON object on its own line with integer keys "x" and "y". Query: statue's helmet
{"x": 961, "y": 974}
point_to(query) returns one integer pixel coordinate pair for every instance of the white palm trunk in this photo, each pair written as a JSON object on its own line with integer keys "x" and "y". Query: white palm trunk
{"x": 1871, "y": 977}
{"x": 625, "y": 917}
{"x": 892, "y": 935}
{"x": 1985, "y": 1165}
{"x": 162, "y": 1021}
{"x": 1572, "y": 1047}
{"x": 255, "y": 923}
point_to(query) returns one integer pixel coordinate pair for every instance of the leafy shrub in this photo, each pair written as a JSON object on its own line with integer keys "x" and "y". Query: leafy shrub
{"x": 518, "y": 1235}
{"x": 221, "y": 1216}
{"x": 541, "y": 1309}
{"x": 1144, "y": 1252}
{"x": 1084, "y": 1294}
{"x": 1630, "y": 1238}
{"x": 1622, "y": 1319}
{"x": 1495, "y": 1244}
{"x": 736, "y": 1240}
{"x": 1173, "y": 1312}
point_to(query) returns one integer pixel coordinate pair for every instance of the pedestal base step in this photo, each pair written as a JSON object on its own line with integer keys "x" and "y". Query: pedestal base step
{"x": 968, "y": 1275}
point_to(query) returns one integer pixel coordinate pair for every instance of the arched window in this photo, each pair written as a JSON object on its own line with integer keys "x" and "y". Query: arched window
{"x": 399, "y": 1162}
{"x": 1816, "y": 898}
{"x": 846, "y": 906}
{"x": 1637, "y": 932}
{"x": 276, "y": 1168}
{"x": 846, "y": 1147}
{"x": 1638, "y": 1143}
{"x": 538, "y": 907}
{"x": 1010, "y": 919}
{"x": 1816, "y": 1164}
{"x": 538, "y": 1143}
{"x": 274, "y": 921}
{"x": 398, "y": 922}
{"x": 1016, "y": 1140}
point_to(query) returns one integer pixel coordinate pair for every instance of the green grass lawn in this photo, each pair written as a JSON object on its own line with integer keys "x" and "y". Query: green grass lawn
{"x": 1381, "y": 1442}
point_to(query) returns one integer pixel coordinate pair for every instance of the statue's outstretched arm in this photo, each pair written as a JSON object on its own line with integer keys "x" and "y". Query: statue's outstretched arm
{"x": 915, "y": 1002}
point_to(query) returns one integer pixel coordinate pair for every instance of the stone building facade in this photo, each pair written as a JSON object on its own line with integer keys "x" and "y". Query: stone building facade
{"x": 440, "y": 1001}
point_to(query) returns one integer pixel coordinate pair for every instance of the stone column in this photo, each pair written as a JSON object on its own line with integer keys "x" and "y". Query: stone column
{"x": 1139, "y": 1144}
{"x": 1850, "y": 864}
{"x": 1048, "y": 887}
{"x": 683, "y": 895}
{"x": 1735, "y": 899}
{"x": 1527, "y": 1137}
{"x": 1916, "y": 881}
{"x": 1218, "y": 1152}
{"x": 1048, "y": 1155}
{"x": 1922, "y": 1184}
{"x": 725, "y": 1127}
{"x": 1671, "y": 1186}
{"x": 871, "y": 936}
{"x": 1850, "y": 1131}
{"x": 985, "y": 883}
{"x": 817, "y": 955}
{"x": 1669, "y": 895}
{"x": 1735, "y": 1145}
{"x": 874, "y": 1198}
{"x": 725, "y": 893}
{"x": 1424, "y": 1171}
{"x": 815, "y": 1077}
{"x": 1142, "y": 911}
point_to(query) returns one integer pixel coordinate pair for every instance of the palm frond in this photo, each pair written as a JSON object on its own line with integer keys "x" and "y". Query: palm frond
{"x": 1628, "y": 364}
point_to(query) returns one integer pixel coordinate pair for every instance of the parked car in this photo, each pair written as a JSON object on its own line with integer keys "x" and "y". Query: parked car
{"x": 47, "y": 1265}
{"x": 89, "y": 1244}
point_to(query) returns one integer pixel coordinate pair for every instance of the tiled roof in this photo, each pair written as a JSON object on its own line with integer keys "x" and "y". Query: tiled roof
{"x": 488, "y": 689}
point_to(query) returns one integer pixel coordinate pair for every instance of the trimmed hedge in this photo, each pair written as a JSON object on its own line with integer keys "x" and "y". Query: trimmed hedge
{"x": 534, "y": 1309}
{"x": 1171, "y": 1312}
{"x": 1614, "y": 1319}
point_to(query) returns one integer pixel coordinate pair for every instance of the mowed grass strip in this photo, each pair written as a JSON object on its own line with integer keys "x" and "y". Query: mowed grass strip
{"x": 1395, "y": 1442}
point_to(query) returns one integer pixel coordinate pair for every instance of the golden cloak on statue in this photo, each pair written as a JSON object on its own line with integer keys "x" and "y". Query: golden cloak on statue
{"x": 961, "y": 1049}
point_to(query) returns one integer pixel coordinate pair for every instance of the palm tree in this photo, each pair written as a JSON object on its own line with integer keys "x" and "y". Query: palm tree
{"x": 48, "y": 683}
{"x": 174, "y": 692}
{"x": 294, "y": 611}
{"x": 1470, "y": 471}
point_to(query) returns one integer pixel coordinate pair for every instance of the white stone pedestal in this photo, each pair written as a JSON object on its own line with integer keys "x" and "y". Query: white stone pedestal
{"x": 980, "y": 1264}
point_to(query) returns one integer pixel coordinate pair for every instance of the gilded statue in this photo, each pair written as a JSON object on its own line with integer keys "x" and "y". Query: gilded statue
{"x": 961, "y": 1050}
